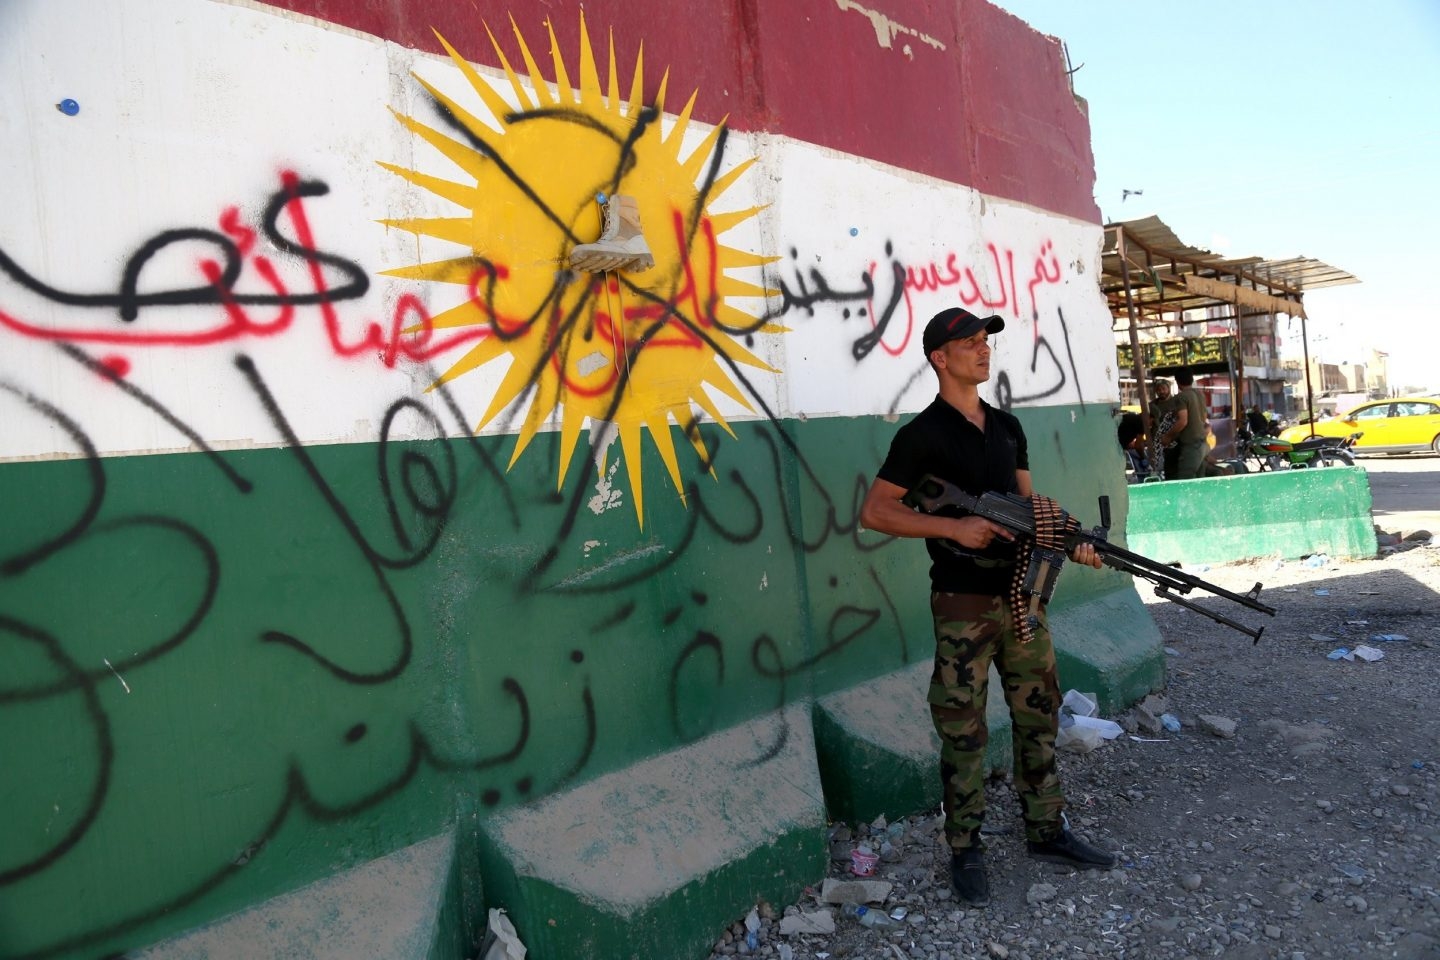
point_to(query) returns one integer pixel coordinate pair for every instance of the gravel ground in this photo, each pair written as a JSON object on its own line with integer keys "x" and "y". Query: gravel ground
{"x": 1308, "y": 830}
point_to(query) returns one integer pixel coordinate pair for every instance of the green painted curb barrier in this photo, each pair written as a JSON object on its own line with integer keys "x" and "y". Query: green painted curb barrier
{"x": 1109, "y": 646}
{"x": 1286, "y": 514}
{"x": 878, "y": 750}
{"x": 404, "y": 905}
{"x": 653, "y": 860}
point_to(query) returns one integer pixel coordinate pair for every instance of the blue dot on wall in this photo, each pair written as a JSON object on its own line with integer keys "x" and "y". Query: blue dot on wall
{"x": 854, "y": 231}
{"x": 68, "y": 107}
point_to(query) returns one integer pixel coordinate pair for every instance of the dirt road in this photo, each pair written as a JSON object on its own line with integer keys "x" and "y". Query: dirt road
{"x": 1311, "y": 832}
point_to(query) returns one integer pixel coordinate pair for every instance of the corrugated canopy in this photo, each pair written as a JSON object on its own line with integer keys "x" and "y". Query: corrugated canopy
{"x": 1166, "y": 275}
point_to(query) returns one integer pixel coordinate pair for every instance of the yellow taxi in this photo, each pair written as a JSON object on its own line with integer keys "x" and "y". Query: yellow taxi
{"x": 1399, "y": 425}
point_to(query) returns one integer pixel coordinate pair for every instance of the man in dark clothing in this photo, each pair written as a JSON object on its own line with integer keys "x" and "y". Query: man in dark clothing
{"x": 1130, "y": 430}
{"x": 978, "y": 448}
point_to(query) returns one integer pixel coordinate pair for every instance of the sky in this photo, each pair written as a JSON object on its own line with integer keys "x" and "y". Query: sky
{"x": 1278, "y": 128}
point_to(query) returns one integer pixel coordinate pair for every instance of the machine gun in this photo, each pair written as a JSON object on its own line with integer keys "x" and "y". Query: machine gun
{"x": 1051, "y": 534}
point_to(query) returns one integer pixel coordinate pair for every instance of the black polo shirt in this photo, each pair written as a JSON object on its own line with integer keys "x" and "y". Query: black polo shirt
{"x": 941, "y": 441}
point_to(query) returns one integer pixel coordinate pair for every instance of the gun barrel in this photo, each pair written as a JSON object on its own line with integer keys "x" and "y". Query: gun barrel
{"x": 1178, "y": 580}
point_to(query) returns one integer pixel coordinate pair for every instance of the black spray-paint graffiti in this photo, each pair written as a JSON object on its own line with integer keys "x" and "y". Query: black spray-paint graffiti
{"x": 72, "y": 677}
{"x": 129, "y": 301}
{"x": 896, "y": 325}
{"x": 430, "y": 488}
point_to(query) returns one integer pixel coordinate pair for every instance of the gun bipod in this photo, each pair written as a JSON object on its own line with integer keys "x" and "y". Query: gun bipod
{"x": 1164, "y": 593}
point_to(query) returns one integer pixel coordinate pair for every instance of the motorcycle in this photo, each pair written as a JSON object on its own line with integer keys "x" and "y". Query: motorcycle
{"x": 1272, "y": 453}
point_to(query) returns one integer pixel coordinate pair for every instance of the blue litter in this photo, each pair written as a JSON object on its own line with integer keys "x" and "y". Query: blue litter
{"x": 1339, "y": 653}
{"x": 1389, "y": 637}
{"x": 1322, "y": 593}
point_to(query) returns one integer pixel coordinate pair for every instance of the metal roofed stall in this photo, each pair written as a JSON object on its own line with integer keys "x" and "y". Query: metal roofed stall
{"x": 1147, "y": 273}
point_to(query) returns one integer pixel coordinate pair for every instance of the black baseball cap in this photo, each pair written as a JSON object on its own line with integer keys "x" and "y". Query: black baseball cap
{"x": 956, "y": 323}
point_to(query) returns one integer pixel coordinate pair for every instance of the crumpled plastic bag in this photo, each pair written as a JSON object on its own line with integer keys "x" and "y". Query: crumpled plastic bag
{"x": 1077, "y": 739}
{"x": 501, "y": 941}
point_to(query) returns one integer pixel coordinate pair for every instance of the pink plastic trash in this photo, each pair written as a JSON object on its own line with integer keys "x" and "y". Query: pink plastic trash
{"x": 863, "y": 861}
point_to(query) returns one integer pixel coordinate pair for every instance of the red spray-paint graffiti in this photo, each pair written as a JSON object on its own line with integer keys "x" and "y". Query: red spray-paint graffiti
{"x": 410, "y": 333}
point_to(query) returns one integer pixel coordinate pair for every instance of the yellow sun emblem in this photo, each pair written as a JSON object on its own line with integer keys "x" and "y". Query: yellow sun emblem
{"x": 632, "y": 347}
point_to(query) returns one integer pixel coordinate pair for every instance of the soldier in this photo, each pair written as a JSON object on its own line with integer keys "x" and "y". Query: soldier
{"x": 961, "y": 438}
{"x": 1190, "y": 430}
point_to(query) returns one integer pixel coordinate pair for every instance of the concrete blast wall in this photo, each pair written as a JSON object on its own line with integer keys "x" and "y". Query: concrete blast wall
{"x": 362, "y": 566}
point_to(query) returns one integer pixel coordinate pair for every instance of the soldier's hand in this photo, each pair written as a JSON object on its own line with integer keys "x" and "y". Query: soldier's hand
{"x": 1085, "y": 553}
{"x": 977, "y": 533}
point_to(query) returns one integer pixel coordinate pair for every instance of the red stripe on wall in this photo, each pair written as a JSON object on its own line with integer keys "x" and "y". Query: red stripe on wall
{"x": 992, "y": 110}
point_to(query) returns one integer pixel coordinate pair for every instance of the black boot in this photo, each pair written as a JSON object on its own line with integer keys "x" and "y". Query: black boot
{"x": 967, "y": 877}
{"x": 1070, "y": 850}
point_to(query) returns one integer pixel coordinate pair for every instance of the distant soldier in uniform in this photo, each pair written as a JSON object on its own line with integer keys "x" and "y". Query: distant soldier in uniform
{"x": 1189, "y": 431}
{"x": 962, "y": 439}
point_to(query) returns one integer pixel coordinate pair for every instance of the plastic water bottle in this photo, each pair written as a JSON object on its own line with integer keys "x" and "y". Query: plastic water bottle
{"x": 875, "y": 919}
{"x": 752, "y": 929}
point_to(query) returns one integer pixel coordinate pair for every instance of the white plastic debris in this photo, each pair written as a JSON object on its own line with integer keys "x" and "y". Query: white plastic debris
{"x": 1081, "y": 704}
{"x": 503, "y": 940}
{"x": 1108, "y": 729}
{"x": 1368, "y": 654}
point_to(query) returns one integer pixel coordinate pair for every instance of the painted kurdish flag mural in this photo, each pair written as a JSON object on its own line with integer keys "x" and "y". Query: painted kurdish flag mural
{"x": 575, "y": 350}
{"x": 408, "y": 417}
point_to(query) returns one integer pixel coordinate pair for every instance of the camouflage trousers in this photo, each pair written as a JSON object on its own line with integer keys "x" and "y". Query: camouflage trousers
{"x": 971, "y": 631}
